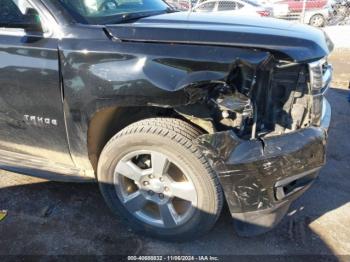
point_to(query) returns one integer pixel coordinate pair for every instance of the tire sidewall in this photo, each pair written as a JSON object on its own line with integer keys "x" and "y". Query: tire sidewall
{"x": 182, "y": 156}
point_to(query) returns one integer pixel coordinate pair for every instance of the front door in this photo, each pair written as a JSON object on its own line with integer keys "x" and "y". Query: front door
{"x": 31, "y": 108}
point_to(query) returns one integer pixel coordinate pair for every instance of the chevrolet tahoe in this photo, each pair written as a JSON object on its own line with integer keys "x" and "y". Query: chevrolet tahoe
{"x": 173, "y": 114}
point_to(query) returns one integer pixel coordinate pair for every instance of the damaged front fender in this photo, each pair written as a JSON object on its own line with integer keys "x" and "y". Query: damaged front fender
{"x": 103, "y": 73}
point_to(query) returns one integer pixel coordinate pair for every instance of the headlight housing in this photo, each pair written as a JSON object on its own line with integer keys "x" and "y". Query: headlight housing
{"x": 320, "y": 78}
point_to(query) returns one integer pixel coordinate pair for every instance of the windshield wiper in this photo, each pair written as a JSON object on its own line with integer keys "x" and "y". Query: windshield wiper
{"x": 135, "y": 16}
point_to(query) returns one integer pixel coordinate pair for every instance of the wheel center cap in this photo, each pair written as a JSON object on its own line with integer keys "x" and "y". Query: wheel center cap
{"x": 156, "y": 186}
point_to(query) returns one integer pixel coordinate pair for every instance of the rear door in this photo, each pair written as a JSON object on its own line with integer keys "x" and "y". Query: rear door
{"x": 31, "y": 109}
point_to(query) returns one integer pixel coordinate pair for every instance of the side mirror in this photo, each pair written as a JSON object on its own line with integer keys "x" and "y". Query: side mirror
{"x": 32, "y": 21}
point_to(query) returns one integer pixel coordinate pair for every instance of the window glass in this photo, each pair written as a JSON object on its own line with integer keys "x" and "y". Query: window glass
{"x": 206, "y": 7}
{"x": 12, "y": 12}
{"x": 226, "y": 5}
{"x": 250, "y": 2}
{"x": 239, "y": 5}
{"x": 104, "y": 11}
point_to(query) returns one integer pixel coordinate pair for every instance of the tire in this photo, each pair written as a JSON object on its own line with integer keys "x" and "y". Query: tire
{"x": 317, "y": 20}
{"x": 145, "y": 144}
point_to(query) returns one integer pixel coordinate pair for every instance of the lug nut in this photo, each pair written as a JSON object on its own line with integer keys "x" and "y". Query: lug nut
{"x": 161, "y": 179}
{"x": 150, "y": 192}
{"x": 225, "y": 114}
{"x": 151, "y": 176}
{"x": 145, "y": 183}
{"x": 166, "y": 189}
{"x": 161, "y": 196}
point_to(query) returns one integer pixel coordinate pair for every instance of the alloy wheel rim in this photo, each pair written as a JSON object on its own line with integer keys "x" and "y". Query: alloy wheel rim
{"x": 317, "y": 21}
{"x": 154, "y": 189}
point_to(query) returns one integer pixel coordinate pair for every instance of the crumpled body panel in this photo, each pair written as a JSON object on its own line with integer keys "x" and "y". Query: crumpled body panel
{"x": 251, "y": 172}
{"x": 101, "y": 73}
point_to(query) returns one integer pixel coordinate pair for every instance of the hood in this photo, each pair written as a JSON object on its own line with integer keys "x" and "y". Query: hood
{"x": 298, "y": 42}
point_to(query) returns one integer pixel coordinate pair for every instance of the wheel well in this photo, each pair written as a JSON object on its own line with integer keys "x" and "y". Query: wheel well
{"x": 316, "y": 15}
{"x": 109, "y": 121}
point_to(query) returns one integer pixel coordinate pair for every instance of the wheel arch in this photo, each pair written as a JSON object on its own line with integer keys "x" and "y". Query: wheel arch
{"x": 108, "y": 121}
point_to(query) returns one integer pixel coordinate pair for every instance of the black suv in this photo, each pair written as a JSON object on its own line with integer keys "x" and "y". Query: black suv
{"x": 172, "y": 113}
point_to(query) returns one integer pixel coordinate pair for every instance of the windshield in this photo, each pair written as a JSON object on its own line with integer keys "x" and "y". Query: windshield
{"x": 111, "y": 11}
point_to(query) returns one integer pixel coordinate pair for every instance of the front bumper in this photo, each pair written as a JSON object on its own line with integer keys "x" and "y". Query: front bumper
{"x": 260, "y": 178}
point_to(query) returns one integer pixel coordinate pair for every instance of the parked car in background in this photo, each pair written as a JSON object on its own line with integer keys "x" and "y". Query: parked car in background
{"x": 233, "y": 7}
{"x": 278, "y": 9}
{"x": 299, "y": 5}
{"x": 317, "y": 18}
{"x": 181, "y": 5}
{"x": 314, "y": 17}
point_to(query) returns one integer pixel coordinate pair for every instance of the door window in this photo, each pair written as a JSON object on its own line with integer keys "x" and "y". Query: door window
{"x": 12, "y": 12}
{"x": 239, "y": 6}
{"x": 226, "y": 6}
{"x": 206, "y": 7}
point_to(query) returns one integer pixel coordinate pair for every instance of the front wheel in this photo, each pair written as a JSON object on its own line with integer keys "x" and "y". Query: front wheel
{"x": 152, "y": 174}
{"x": 317, "y": 20}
